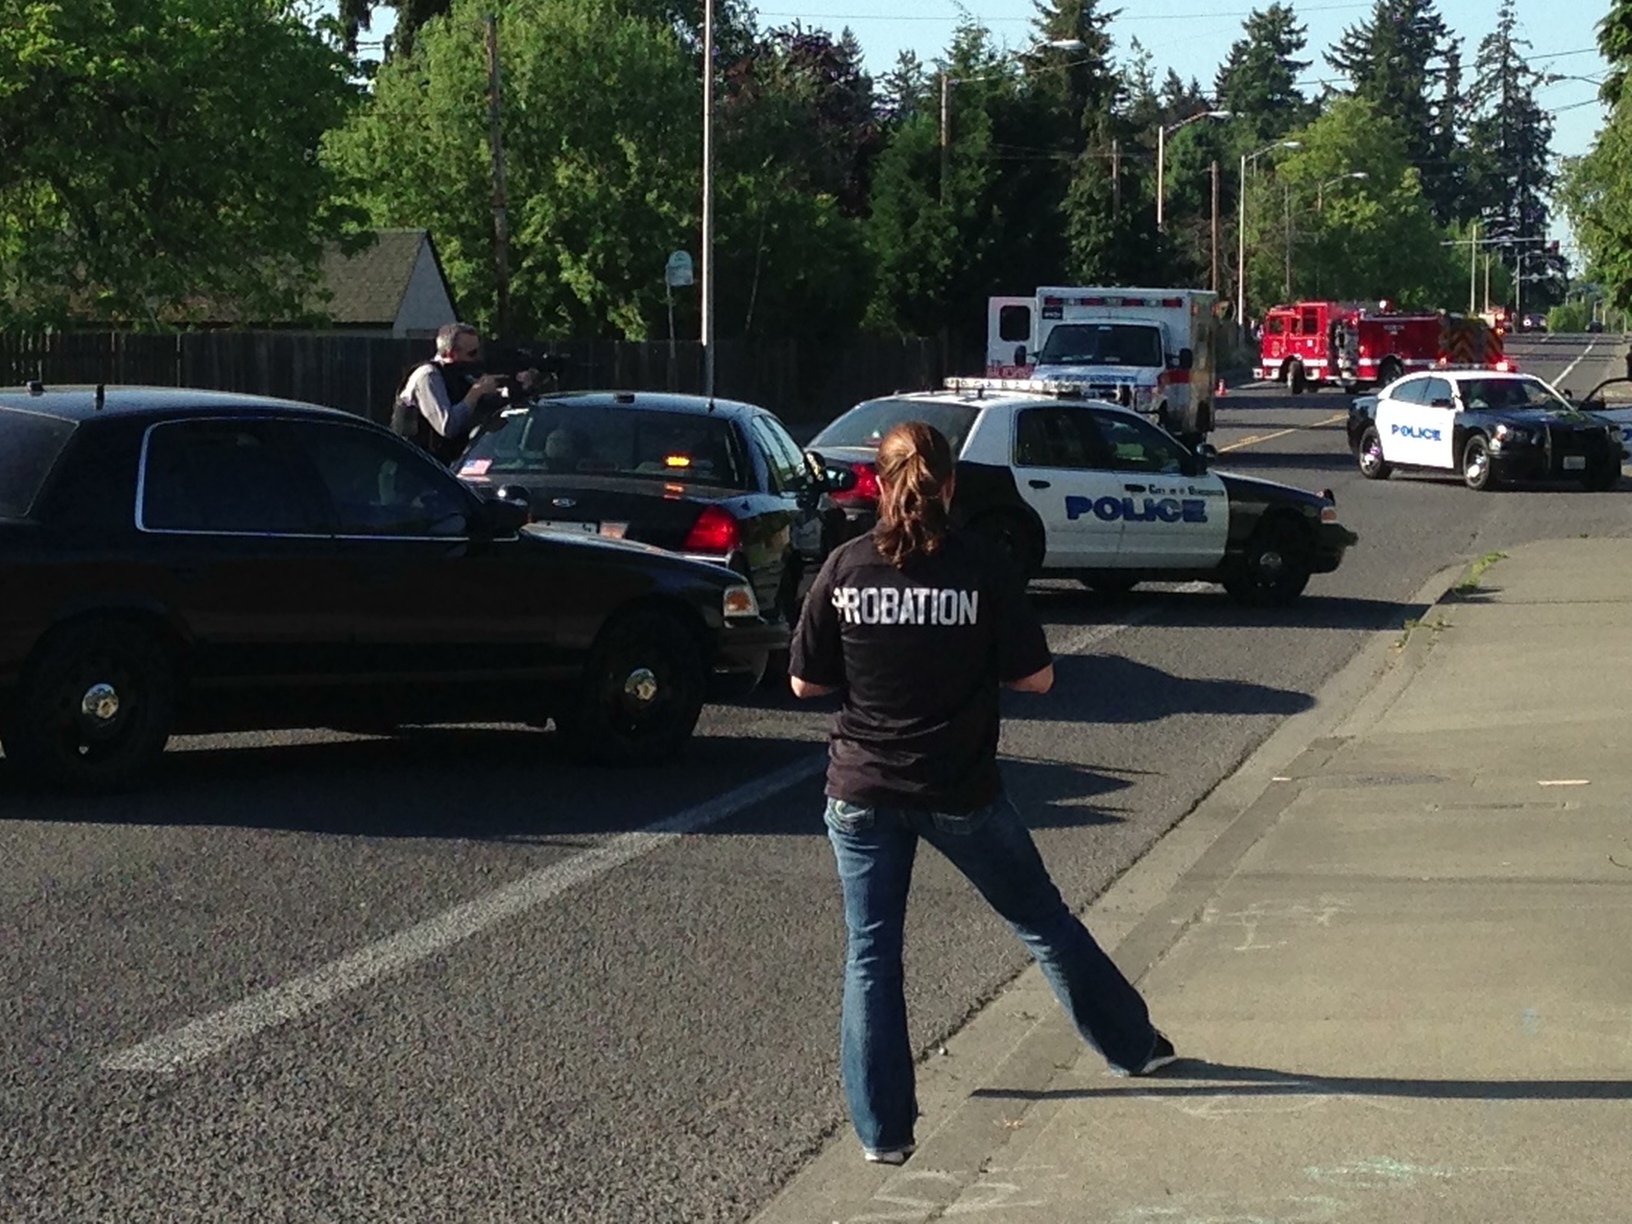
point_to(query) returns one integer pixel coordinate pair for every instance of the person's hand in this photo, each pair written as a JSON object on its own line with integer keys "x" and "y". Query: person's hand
{"x": 487, "y": 384}
{"x": 530, "y": 379}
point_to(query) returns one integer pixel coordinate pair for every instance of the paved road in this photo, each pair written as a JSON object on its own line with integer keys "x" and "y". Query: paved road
{"x": 453, "y": 977}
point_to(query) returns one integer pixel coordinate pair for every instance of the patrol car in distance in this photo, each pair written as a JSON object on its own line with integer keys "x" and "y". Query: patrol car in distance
{"x": 1491, "y": 428}
{"x": 1074, "y": 487}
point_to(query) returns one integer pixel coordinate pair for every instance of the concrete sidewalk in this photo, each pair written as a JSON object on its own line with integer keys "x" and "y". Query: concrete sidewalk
{"x": 1395, "y": 951}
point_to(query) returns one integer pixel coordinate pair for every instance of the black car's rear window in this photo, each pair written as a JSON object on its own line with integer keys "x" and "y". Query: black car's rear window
{"x": 572, "y": 438}
{"x": 29, "y": 446}
{"x": 867, "y": 423}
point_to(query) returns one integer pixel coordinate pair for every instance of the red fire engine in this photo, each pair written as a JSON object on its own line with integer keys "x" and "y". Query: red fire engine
{"x": 1309, "y": 344}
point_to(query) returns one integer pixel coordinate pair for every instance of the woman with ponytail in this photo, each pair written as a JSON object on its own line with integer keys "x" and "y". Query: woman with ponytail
{"x": 918, "y": 627}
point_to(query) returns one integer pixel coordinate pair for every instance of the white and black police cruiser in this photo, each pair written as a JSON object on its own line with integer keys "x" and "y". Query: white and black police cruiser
{"x": 1081, "y": 488}
{"x": 1492, "y": 428}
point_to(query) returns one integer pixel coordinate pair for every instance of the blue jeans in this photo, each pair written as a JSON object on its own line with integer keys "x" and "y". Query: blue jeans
{"x": 875, "y": 848}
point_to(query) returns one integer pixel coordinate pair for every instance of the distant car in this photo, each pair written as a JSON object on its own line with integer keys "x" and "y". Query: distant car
{"x": 1491, "y": 428}
{"x": 1074, "y": 487}
{"x": 195, "y": 561}
{"x": 715, "y": 480}
{"x": 1595, "y": 327}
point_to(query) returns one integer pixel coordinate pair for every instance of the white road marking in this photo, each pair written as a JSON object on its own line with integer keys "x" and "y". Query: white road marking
{"x": 1591, "y": 344}
{"x": 209, "y": 1035}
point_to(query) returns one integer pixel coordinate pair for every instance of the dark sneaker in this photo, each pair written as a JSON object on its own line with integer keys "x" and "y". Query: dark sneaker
{"x": 888, "y": 1156}
{"x": 1162, "y": 1054}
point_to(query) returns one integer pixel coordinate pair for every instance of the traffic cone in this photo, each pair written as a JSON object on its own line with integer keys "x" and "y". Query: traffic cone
{"x": 1218, "y": 391}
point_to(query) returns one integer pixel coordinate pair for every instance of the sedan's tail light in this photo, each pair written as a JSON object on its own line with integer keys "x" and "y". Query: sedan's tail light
{"x": 715, "y": 531}
{"x": 864, "y": 490}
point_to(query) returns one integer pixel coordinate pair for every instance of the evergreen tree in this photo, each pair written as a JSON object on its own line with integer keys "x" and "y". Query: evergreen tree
{"x": 1397, "y": 61}
{"x": 1258, "y": 80}
{"x": 1511, "y": 139}
{"x": 904, "y": 90}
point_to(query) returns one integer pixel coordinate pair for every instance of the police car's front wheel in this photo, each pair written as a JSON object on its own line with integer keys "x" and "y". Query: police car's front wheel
{"x": 641, "y": 693}
{"x": 1274, "y": 568}
{"x": 1370, "y": 455}
{"x": 1477, "y": 472}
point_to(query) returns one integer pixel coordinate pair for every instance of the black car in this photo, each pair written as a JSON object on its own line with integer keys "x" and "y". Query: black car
{"x": 1493, "y": 428}
{"x": 195, "y": 561}
{"x": 712, "y": 479}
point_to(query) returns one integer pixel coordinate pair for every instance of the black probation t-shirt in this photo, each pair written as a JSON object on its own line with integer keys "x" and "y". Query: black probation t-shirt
{"x": 919, "y": 652}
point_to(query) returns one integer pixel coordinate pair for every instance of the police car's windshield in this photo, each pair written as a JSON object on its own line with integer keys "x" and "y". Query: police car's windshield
{"x": 867, "y": 423}
{"x": 29, "y": 446}
{"x": 1510, "y": 393}
{"x": 567, "y": 437}
{"x": 1102, "y": 344}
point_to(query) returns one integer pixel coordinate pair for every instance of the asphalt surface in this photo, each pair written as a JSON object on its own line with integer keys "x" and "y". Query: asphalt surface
{"x": 454, "y": 977}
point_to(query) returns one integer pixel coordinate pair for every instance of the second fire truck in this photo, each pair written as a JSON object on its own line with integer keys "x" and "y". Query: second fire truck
{"x": 1309, "y": 344}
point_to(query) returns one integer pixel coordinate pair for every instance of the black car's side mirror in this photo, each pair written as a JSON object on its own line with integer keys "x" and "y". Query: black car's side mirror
{"x": 1205, "y": 454}
{"x": 1187, "y": 359}
{"x": 508, "y": 512}
{"x": 514, "y": 493}
{"x": 1020, "y": 355}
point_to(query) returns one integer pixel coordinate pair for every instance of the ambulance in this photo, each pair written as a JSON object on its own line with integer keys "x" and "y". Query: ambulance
{"x": 1152, "y": 350}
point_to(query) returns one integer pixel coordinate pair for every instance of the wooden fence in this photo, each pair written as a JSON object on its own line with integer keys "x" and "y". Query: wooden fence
{"x": 361, "y": 374}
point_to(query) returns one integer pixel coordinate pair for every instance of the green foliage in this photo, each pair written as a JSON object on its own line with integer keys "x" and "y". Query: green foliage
{"x": 154, "y": 165}
{"x": 1569, "y": 317}
{"x": 1370, "y": 238}
{"x": 1257, "y": 82}
{"x": 1595, "y": 196}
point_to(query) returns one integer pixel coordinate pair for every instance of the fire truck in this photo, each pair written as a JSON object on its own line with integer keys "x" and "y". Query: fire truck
{"x": 1152, "y": 350}
{"x": 1309, "y": 344}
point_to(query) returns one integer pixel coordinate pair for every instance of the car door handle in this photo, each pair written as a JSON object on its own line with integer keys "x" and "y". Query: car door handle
{"x": 1038, "y": 484}
{"x": 1134, "y": 488}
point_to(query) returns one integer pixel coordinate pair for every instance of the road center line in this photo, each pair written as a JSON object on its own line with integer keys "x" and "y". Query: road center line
{"x": 1257, "y": 438}
{"x": 1591, "y": 344}
{"x": 209, "y": 1035}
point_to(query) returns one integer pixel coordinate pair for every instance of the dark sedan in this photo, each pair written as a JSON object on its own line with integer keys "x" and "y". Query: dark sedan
{"x": 715, "y": 480}
{"x": 178, "y": 560}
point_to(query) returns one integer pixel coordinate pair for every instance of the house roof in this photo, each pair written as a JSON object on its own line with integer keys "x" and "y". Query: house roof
{"x": 368, "y": 287}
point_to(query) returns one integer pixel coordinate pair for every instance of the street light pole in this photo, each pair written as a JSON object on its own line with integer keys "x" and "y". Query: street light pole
{"x": 1161, "y": 157}
{"x": 1241, "y": 227}
{"x": 1320, "y": 192}
{"x": 707, "y": 294}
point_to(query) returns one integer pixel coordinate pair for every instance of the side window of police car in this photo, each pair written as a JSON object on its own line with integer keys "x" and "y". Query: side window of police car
{"x": 1409, "y": 392}
{"x": 1137, "y": 446}
{"x": 377, "y": 486}
{"x": 1057, "y": 438}
{"x": 1437, "y": 393}
{"x": 221, "y": 478}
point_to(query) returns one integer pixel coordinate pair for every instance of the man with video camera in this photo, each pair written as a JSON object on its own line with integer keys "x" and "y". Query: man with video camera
{"x": 448, "y": 396}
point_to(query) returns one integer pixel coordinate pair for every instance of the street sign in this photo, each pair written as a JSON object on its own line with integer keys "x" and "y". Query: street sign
{"x": 677, "y": 271}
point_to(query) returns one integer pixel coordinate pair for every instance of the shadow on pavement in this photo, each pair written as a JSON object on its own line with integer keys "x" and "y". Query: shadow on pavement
{"x": 1224, "y": 1079}
{"x": 1112, "y": 689}
{"x": 1214, "y": 609}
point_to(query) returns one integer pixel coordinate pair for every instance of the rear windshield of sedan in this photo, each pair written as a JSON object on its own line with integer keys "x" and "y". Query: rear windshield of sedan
{"x": 29, "y": 446}
{"x": 866, "y": 424}
{"x": 568, "y": 438}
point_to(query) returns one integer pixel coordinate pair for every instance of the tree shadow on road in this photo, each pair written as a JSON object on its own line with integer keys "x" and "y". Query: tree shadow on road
{"x": 1159, "y": 607}
{"x": 1113, "y": 689}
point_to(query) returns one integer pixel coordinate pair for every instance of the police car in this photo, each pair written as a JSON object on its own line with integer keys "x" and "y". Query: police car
{"x": 1492, "y": 428}
{"x": 1081, "y": 488}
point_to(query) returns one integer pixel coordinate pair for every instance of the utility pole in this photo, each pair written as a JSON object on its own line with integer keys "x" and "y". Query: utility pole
{"x": 501, "y": 225}
{"x": 1215, "y": 226}
{"x": 946, "y": 130}
{"x": 707, "y": 294}
{"x": 1288, "y": 198}
{"x": 1116, "y": 176}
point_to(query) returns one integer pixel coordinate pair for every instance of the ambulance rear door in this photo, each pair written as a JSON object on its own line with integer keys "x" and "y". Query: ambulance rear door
{"x": 1011, "y": 336}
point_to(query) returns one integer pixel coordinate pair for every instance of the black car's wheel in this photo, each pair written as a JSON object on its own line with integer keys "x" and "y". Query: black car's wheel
{"x": 1389, "y": 370}
{"x": 1015, "y": 538}
{"x": 1604, "y": 477}
{"x": 95, "y": 707}
{"x": 1274, "y": 569}
{"x": 1112, "y": 586}
{"x": 1369, "y": 454}
{"x": 640, "y": 695}
{"x": 1295, "y": 380}
{"x": 1477, "y": 472}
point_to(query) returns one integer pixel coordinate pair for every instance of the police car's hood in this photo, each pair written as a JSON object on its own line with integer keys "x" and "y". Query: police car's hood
{"x": 1247, "y": 489}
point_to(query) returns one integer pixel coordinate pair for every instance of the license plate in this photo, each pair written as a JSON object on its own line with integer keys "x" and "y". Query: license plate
{"x": 569, "y": 525}
{"x": 1575, "y": 463}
